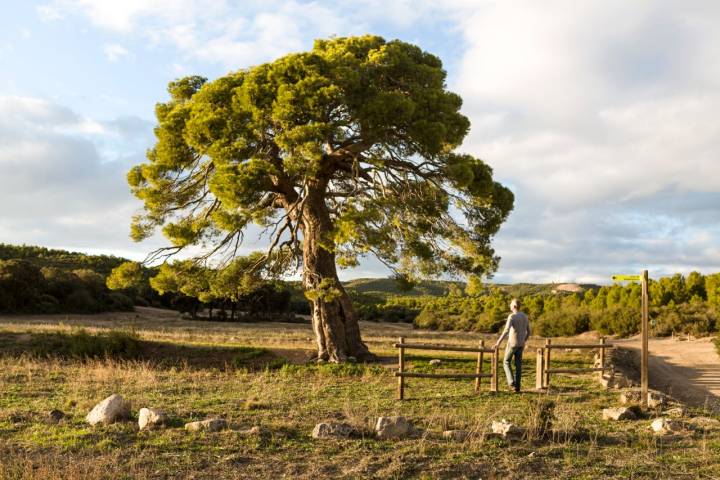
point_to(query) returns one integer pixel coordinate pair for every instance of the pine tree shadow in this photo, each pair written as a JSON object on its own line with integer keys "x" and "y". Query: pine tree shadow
{"x": 81, "y": 345}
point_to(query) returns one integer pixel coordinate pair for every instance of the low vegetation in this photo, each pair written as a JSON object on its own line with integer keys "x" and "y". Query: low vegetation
{"x": 256, "y": 375}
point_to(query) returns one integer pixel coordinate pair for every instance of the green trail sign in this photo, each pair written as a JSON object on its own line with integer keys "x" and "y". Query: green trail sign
{"x": 626, "y": 278}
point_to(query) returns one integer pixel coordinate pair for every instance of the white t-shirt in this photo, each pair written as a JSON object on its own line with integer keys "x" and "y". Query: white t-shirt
{"x": 517, "y": 329}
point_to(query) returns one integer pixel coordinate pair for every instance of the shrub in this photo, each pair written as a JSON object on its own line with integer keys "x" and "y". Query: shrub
{"x": 48, "y": 304}
{"x": 81, "y": 301}
{"x": 562, "y": 323}
{"x": 118, "y": 301}
{"x": 695, "y": 319}
{"x": 621, "y": 321}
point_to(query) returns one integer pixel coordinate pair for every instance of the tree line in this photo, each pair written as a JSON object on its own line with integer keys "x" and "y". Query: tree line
{"x": 679, "y": 304}
{"x": 40, "y": 280}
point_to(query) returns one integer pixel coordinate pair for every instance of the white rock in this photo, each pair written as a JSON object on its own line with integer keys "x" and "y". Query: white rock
{"x": 455, "y": 435}
{"x": 251, "y": 431}
{"x": 632, "y": 397}
{"x": 332, "y": 430}
{"x": 149, "y": 418}
{"x": 435, "y": 362}
{"x": 507, "y": 430}
{"x": 618, "y": 413}
{"x": 210, "y": 425}
{"x": 704, "y": 423}
{"x": 676, "y": 412}
{"x": 392, "y": 427}
{"x": 664, "y": 426}
{"x": 113, "y": 408}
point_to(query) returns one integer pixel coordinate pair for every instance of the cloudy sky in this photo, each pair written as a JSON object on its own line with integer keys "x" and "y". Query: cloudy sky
{"x": 600, "y": 115}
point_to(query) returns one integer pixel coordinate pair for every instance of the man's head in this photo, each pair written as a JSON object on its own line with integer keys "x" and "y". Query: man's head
{"x": 515, "y": 305}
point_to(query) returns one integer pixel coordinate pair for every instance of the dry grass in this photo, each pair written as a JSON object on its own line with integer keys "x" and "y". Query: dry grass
{"x": 207, "y": 373}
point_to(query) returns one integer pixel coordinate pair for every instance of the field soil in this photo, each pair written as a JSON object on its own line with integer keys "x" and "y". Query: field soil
{"x": 688, "y": 370}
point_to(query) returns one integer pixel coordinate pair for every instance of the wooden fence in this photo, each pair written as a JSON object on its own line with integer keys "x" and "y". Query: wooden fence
{"x": 543, "y": 370}
{"x": 402, "y": 374}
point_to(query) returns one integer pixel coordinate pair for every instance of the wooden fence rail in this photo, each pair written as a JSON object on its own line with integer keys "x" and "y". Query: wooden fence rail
{"x": 543, "y": 370}
{"x": 402, "y": 374}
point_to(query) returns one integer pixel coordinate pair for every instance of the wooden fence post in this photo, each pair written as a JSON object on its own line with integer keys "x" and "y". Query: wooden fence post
{"x": 478, "y": 369}
{"x": 401, "y": 365}
{"x": 494, "y": 378}
{"x": 540, "y": 358}
{"x": 546, "y": 377}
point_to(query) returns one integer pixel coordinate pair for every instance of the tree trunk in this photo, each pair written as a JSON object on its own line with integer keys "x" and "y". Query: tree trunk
{"x": 333, "y": 317}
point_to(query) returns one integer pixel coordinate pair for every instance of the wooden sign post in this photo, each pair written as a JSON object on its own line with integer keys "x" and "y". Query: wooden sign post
{"x": 644, "y": 361}
{"x": 644, "y": 356}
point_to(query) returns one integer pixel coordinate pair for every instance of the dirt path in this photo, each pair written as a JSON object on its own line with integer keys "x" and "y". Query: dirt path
{"x": 686, "y": 369}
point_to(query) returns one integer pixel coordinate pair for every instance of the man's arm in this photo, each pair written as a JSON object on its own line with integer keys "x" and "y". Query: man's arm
{"x": 505, "y": 331}
{"x": 527, "y": 337}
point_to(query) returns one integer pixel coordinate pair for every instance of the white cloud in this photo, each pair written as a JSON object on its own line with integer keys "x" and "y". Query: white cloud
{"x": 115, "y": 52}
{"x": 48, "y": 13}
{"x": 58, "y": 186}
{"x": 236, "y": 35}
{"x": 595, "y": 111}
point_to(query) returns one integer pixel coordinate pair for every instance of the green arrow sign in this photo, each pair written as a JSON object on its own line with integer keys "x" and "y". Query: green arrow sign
{"x": 626, "y": 278}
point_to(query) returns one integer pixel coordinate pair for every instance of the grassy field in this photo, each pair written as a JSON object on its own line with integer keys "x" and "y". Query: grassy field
{"x": 256, "y": 375}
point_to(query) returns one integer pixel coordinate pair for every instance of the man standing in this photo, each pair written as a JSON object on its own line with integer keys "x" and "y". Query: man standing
{"x": 518, "y": 329}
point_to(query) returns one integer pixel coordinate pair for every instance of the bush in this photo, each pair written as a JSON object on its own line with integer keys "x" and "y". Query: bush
{"x": 695, "y": 319}
{"x": 48, "y": 304}
{"x": 621, "y": 321}
{"x": 80, "y": 301}
{"x": 562, "y": 323}
{"x": 118, "y": 301}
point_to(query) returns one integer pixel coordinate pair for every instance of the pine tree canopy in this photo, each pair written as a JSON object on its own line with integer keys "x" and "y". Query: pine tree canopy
{"x": 365, "y": 125}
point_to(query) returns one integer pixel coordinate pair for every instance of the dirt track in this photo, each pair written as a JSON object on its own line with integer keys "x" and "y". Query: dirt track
{"x": 686, "y": 369}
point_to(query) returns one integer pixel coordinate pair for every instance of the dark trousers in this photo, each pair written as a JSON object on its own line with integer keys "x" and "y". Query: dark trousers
{"x": 517, "y": 352}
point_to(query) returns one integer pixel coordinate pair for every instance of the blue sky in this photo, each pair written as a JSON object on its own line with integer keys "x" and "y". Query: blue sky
{"x": 600, "y": 115}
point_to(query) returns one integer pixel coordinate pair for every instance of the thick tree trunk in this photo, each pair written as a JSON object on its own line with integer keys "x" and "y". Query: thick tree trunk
{"x": 333, "y": 318}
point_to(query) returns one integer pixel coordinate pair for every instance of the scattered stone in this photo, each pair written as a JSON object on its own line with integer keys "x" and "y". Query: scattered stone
{"x": 54, "y": 417}
{"x": 456, "y": 435}
{"x": 676, "y": 412}
{"x": 150, "y": 418}
{"x": 664, "y": 426}
{"x": 210, "y": 425}
{"x": 332, "y": 430}
{"x": 392, "y": 427}
{"x": 508, "y": 430}
{"x": 113, "y": 408}
{"x": 632, "y": 397}
{"x": 251, "y": 432}
{"x": 435, "y": 362}
{"x": 618, "y": 413}
{"x": 704, "y": 423}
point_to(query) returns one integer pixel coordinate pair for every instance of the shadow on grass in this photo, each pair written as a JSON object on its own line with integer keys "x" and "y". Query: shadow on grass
{"x": 124, "y": 345}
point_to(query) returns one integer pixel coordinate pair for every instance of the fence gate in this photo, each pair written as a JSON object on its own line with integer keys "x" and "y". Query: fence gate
{"x": 402, "y": 374}
{"x": 543, "y": 370}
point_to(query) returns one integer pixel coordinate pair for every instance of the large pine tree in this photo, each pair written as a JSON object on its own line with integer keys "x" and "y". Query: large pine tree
{"x": 340, "y": 152}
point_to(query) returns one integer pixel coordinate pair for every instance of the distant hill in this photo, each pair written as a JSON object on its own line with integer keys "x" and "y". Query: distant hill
{"x": 46, "y": 257}
{"x": 388, "y": 286}
{"x": 523, "y": 289}
{"x": 436, "y": 288}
